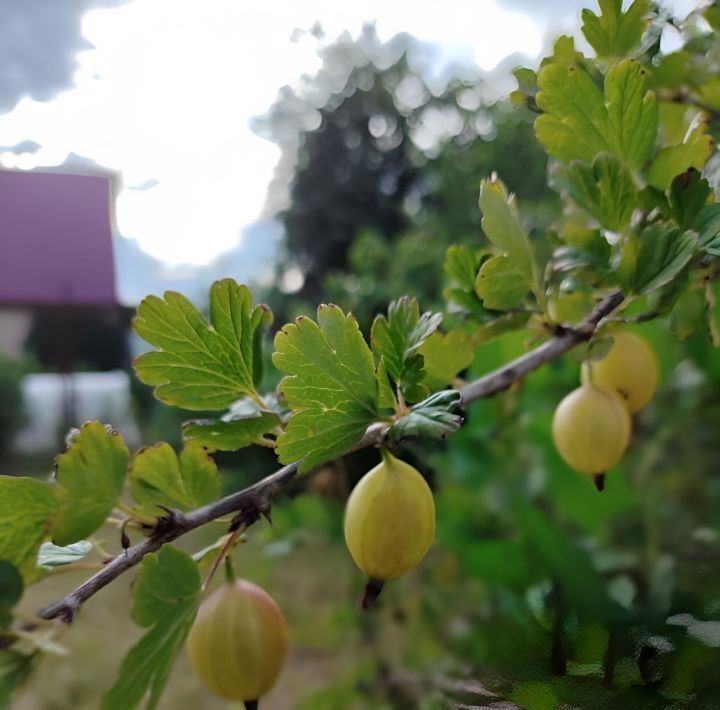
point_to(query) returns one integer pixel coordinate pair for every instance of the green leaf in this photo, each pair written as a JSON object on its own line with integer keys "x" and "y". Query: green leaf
{"x": 501, "y": 224}
{"x": 166, "y": 579}
{"x": 51, "y": 556}
{"x": 614, "y": 34}
{"x": 331, "y": 386}
{"x": 575, "y": 123}
{"x": 654, "y": 257}
{"x": 459, "y": 299}
{"x": 688, "y": 314}
{"x": 688, "y": 194}
{"x": 446, "y": 355}
{"x": 604, "y": 189}
{"x": 632, "y": 112}
{"x": 11, "y": 590}
{"x": 199, "y": 365}
{"x": 386, "y": 396}
{"x": 707, "y": 225}
{"x": 28, "y": 509}
{"x": 712, "y": 294}
{"x": 91, "y": 473}
{"x": 166, "y": 597}
{"x": 502, "y": 283}
{"x": 14, "y": 669}
{"x": 564, "y": 53}
{"x": 435, "y": 418}
{"x": 671, "y": 162}
{"x": 461, "y": 266}
{"x": 579, "y": 122}
{"x": 589, "y": 265}
{"x": 159, "y": 478}
{"x": 220, "y": 435}
{"x": 396, "y": 340}
{"x": 526, "y": 80}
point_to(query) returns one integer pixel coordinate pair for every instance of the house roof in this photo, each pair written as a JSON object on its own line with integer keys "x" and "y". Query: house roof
{"x": 55, "y": 239}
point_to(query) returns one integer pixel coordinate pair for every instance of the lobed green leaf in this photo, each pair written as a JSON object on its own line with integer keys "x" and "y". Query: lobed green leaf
{"x": 91, "y": 474}
{"x": 579, "y": 122}
{"x": 461, "y": 265}
{"x": 654, "y": 257}
{"x": 199, "y": 365}
{"x": 159, "y": 478}
{"x": 446, "y": 355}
{"x": 688, "y": 314}
{"x": 231, "y": 435}
{"x": 435, "y": 418}
{"x": 166, "y": 597}
{"x": 331, "y": 386}
{"x": 604, "y": 189}
{"x": 396, "y": 341}
{"x": 615, "y": 34}
{"x": 28, "y": 509}
{"x": 671, "y": 162}
{"x": 503, "y": 281}
{"x": 501, "y": 224}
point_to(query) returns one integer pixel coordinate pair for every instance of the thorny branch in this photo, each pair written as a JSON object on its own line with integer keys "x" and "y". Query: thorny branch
{"x": 250, "y": 503}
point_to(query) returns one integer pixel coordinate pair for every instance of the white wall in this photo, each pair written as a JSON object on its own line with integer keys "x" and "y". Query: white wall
{"x": 14, "y": 328}
{"x": 104, "y": 396}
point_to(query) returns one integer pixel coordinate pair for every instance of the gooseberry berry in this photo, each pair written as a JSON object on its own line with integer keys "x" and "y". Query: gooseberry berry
{"x": 629, "y": 368}
{"x": 389, "y": 519}
{"x": 591, "y": 429}
{"x": 238, "y": 642}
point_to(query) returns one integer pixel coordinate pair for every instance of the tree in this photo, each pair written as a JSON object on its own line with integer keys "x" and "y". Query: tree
{"x": 387, "y": 148}
{"x": 637, "y": 243}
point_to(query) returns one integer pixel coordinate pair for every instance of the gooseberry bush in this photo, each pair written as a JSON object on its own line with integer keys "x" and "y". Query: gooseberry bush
{"x": 629, "y": 133}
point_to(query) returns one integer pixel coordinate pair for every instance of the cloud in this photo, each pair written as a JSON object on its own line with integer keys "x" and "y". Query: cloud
{"x": 39, "y": 41}
{"x": 165, "y": 95}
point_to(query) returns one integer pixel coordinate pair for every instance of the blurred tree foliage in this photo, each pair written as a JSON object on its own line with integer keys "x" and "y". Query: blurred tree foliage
{"x": 384, "y": 174}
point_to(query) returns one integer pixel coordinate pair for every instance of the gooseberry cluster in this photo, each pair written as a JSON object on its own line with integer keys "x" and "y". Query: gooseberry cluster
{"x": 238, "y": 643}
{"x": 592, "y": 426}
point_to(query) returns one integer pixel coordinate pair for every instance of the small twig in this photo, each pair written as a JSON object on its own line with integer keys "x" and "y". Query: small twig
{"x": 255, "y": 500}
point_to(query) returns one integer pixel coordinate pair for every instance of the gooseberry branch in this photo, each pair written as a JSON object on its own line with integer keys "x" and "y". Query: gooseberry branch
{"x": 252, "y": 502}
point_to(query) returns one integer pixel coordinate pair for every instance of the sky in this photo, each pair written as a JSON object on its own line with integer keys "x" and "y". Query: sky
{"x": 164, "y": 90}
{"x": 162, "y": 94}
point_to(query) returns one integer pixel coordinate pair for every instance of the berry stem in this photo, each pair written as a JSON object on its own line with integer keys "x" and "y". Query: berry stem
{"x": 222, "y": 555}
{"x": 372, "y": 591}
{"x": 387, "y": 457}
{"x": 229, "y": 569}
